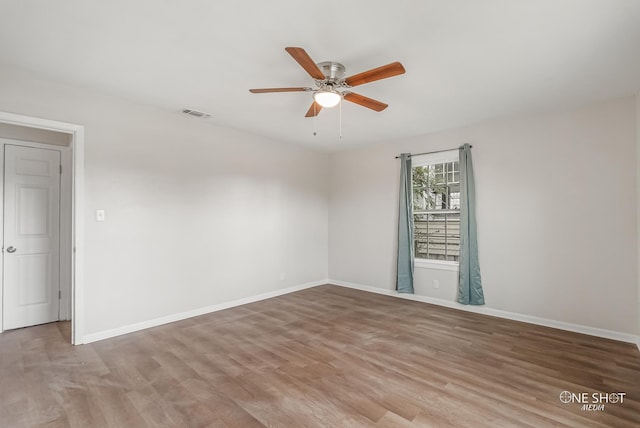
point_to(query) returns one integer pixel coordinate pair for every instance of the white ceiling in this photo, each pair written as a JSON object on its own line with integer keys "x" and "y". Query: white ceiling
{"x": 466, "y": 60}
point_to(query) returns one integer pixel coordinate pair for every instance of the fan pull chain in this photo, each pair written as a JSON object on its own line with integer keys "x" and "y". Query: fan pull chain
{"x": 315, "y": 120}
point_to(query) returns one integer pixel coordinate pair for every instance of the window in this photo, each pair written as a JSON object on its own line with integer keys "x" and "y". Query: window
{"x": 436, "y": 206}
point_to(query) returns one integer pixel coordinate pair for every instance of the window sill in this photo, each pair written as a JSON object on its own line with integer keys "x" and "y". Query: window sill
{"x": 435, "y": 264}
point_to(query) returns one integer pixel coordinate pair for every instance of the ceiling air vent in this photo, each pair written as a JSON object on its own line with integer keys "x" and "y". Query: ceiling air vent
{"x": 196, "y": 113}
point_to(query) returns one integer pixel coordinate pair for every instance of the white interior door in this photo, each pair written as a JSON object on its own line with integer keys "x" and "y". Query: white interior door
{"x": 31, "y": 248}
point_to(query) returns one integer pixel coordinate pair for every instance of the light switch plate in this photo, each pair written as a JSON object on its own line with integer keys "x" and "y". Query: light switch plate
{"x": 99, "y": 215}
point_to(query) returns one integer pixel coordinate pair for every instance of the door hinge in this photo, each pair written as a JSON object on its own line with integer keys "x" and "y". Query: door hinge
{"x": 59, "y": 294}
{"x": 60, "y": 169}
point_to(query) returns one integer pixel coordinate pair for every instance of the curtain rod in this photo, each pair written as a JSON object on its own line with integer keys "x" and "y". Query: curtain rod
{"x": 430, "y": 153}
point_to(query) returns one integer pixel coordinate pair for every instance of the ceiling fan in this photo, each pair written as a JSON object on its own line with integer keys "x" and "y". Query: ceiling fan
{"x": 332, "y": 86}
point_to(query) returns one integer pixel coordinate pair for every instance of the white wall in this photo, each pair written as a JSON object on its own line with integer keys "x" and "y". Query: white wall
{"x": 199, "y": 215}
{"x": 196, "y": 214}
{"x": 557, "y": 210}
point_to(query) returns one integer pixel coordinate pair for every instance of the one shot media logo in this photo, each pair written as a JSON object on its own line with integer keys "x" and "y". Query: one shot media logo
{"x": 592, "y": 401}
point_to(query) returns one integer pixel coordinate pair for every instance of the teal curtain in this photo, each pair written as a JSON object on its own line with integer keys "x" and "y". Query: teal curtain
{"x": 470, "y": 286}
{"x": 404, "y": 276}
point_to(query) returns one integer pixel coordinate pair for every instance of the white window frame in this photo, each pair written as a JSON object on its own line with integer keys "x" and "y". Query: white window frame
{"x": 424, "y": 160}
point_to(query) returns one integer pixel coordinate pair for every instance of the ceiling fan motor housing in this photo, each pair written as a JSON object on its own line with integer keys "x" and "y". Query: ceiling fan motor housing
{"x": 334, "y": 72}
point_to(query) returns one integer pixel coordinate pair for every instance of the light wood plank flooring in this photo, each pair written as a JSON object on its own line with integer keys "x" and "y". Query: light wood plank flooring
{"x": 323, "y": 357}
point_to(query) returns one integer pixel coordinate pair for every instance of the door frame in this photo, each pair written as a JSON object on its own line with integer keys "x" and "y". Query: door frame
{"x": 77, "y": 208}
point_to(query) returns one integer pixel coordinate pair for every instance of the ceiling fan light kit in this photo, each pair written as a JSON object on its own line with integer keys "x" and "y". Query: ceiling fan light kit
{"x": 327, "y": 98}
{"x": 331, "y": 85}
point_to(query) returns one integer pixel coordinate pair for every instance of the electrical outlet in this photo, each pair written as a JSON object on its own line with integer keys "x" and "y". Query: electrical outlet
{"x": 436, "y": 283}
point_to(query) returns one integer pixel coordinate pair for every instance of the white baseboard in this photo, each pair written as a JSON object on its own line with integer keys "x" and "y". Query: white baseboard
{"x": 592, "y": 331}
{"x": 94, "y": 337}
{"x": 577, "y": 328}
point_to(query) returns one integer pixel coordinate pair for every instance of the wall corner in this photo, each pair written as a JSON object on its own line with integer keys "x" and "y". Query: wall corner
{"x": 638, "y": 212}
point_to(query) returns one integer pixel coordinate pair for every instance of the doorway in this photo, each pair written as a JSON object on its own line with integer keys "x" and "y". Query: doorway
{"x": 34, "y": 215}
{"x": 29, "y": 219}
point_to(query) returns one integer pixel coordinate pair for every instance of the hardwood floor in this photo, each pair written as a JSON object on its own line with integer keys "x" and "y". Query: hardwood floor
{"x": 323, "y": 357}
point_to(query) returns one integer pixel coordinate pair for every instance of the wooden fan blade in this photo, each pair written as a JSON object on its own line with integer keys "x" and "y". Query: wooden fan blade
{"x": 389, "y": 70}
{"x": 305, "y": 61}
{"x": 314, "y": 110}
{"x": 365, "y": 101}
{"x": 267, "y": 90}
